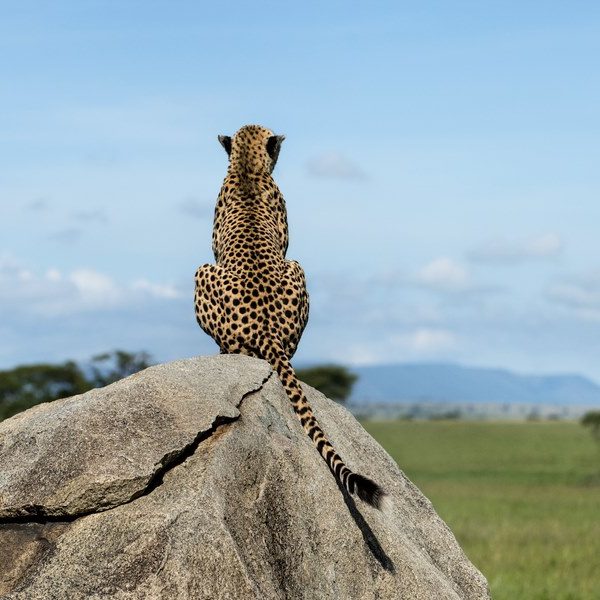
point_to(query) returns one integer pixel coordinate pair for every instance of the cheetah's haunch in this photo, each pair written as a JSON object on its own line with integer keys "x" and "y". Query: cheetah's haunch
{"x": 253, "y": 301}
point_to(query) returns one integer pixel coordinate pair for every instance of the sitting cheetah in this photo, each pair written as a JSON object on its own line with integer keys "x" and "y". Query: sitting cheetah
{"x": 253, "y": 301}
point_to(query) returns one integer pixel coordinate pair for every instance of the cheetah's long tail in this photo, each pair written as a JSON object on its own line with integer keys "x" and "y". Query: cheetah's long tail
{"x": 354, "y": 483}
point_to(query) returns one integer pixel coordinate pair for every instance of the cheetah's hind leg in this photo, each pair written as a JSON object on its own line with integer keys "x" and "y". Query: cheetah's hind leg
{"x": 216, "y": 290}
{"x": 209, "y": 302}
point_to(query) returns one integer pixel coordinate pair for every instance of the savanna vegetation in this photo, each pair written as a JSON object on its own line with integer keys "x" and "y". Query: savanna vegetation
{"x": 335, "y": 381}
{"x": 28, "y": 385}
{"x": 523, "y": 499}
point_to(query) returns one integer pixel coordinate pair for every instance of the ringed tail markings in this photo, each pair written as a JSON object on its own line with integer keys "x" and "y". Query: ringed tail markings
{"x": 354, "y": 483}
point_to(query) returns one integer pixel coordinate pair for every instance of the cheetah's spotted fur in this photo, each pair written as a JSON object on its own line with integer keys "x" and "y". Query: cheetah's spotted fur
{"x": 253, "y": 301}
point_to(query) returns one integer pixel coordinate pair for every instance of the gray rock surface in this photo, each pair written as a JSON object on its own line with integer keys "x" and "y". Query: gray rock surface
{"x": 194, "y": 480}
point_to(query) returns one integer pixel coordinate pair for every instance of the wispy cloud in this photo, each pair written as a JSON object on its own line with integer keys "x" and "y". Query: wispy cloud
{"x": 579, "y": 294}
{"x": 95, "y": 215}
{"x": 51, "y": 315}
{"x": 427, "y": 340}
{"x": 336, "y": 166}
{"x": 68, "y": 235}
{"x": 38, "y": 205}
{"x": 420, "y": 343}
{"x": 449, "y": 278}
{"x": 445, "y": 275}
{"x": 503, "y": 251}
{"x": 22, "y": 290}
{"x": 199, "y": 209}
{"x": 157, "y": 290}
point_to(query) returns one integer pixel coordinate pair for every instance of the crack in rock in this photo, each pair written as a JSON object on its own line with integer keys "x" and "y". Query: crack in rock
{"x": 246, "y": 513}
{"x": 167, "y": 463}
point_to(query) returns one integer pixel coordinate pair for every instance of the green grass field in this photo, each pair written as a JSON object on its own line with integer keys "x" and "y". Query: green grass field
{"x": 523, "y": 499}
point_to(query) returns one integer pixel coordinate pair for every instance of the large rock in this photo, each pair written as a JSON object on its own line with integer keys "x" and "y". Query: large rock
{"x": 195, "y": 480}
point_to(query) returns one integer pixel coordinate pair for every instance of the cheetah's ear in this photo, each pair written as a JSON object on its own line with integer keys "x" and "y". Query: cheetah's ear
{"x": 226, "y": 143}
{"x": 273, "y": 146}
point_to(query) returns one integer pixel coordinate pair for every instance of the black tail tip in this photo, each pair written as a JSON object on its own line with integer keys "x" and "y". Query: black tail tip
{"x": 368, "y": 491}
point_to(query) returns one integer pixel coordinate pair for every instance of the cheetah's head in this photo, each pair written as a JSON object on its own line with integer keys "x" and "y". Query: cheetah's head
{"x": 253, "y": 148}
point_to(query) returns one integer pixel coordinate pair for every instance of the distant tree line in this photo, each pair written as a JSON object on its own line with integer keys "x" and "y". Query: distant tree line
{"x": 25, "y": 386}
{"x": 28, "y": 385}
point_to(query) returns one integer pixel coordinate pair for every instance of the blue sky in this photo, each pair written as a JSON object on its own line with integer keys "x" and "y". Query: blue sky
{"x": 440, "y": 169}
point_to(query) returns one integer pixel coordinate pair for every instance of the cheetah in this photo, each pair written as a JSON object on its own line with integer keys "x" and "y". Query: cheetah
{"x": 253, "y": 301}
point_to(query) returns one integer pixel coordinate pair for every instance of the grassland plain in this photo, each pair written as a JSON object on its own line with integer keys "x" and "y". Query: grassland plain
{"x": 523, "y": 499}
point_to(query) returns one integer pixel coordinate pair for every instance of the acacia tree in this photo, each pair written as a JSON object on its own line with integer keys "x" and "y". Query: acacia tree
{"x": 112, "y": 366}
{"x": 335, "y": 381}
{"x": 28, "y": 385}
{"x": 591, "y": 419}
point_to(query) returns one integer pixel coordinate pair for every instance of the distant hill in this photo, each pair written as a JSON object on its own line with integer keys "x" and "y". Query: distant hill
{"x": 430, "y": 382}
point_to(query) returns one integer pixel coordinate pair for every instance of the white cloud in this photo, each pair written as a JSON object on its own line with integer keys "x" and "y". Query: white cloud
{"x": 427, "y": 340}
{"x": 336, "y": 166}
{"x": 580, "y": 295}
{"x": 95, "y": 288}
{"x": 444, "y": 274}
{"x": 55, "y": 293}
{"x": 24, "y": 275}
{"x": 362, "y": 354}
{"x": 544, "y": 246}
{"x": 420, "y": 343}
{"x": 155, "y": 289}
{"x": 54, "y": 315}
{"x": 53, "y": 275}
{"x": 11, "y": 269}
